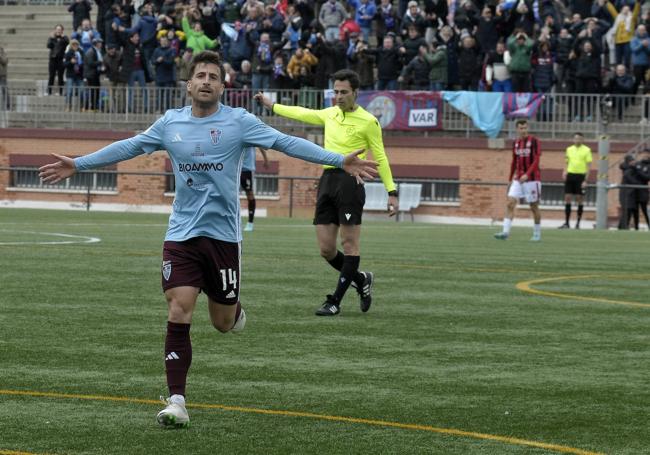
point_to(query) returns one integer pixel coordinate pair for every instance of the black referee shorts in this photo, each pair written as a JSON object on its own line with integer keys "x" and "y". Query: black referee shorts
{"x": 573, "y": 184}
{"x": 246, "y": 180}
{"x": 340, "y": 199}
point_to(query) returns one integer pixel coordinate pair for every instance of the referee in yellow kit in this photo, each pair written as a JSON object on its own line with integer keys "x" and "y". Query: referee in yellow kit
{"x": 575, "y": 174}
{"x": 348, "y": 127}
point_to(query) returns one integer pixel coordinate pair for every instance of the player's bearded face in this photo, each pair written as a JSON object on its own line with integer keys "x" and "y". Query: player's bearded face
{"x": 205, "y": 87}
{"x": 344, "y": 96}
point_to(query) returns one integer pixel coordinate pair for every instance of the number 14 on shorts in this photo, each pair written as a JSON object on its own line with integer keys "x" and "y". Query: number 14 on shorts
{"x": 228, "y": 277}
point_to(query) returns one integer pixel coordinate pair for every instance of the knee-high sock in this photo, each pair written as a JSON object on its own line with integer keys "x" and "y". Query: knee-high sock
{"x": 251, "y": 210}
{"x": 581, "y": 209}
{"x": 337, "y": 263}
{"x": 567, "y": 213}
{"x": 178, "y": 356}
{"x": 348, "y": 272}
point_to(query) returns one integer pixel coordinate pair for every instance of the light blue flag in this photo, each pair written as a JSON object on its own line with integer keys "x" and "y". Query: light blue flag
{"x": 484, "y": 108}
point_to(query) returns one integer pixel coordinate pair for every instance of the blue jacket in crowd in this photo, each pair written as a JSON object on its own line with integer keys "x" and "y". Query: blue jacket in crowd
{"x": 640, "y": 53}
{"x": 146, "y": 27}
{"x": 165, "y": 69}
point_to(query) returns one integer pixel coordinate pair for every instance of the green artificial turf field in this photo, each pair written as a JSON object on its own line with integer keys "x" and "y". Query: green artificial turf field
{"x": 472, "y": 345}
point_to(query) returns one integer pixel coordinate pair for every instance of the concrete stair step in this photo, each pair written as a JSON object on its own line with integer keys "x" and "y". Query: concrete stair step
{"x": 31, "y": 17}
{"x": 33, "y": 9}
{"x": 29, "y": 26}
{"x": 27, "y": 40}
{"x": 27, "y": 54}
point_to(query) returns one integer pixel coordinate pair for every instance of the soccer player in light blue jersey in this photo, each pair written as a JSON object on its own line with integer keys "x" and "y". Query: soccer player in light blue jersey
{"x": 206, "y": 143}
{"x": 246, "y": 181}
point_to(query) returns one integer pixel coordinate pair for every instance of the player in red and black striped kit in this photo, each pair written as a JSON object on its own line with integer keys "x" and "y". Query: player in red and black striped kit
{"x": 525, "y": 180}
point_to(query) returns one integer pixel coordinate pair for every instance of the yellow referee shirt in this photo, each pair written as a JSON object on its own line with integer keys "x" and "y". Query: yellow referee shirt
{"x": 578, "y": 159}
{"x": 346, "y": 132}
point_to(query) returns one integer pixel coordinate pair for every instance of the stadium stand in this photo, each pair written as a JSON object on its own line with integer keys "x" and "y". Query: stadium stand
{"x": 24, "y": 30}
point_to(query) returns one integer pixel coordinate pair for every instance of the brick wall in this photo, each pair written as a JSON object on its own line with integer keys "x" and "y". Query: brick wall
{"x": 472, "y": 157}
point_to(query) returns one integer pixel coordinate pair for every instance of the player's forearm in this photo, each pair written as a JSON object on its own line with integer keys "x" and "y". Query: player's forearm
{"x": 298, "y": 113}
{"x": 111, "y": 154}
{"x": 307, "y": 151}
{"x": 534, "y": 167}
{"x": 386, "y": 177}
{"x": 383, "y": 168}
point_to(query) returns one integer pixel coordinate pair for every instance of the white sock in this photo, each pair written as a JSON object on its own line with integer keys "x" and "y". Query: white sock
{"x": 507, "y": 223}
{"x": 537, "y": 230}
{"x": 178, "y": 399}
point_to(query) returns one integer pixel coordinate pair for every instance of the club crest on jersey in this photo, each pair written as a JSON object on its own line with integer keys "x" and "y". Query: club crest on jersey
{"x": 215, "y": 135}
{"x": 167, "y": 269}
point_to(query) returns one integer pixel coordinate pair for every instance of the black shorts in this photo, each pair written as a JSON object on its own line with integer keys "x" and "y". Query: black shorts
{"x": 573, "y": 184}
{"x": 340, "y": 199}
{"x": 208, "y": 264}
{"x": 246, "y": 180}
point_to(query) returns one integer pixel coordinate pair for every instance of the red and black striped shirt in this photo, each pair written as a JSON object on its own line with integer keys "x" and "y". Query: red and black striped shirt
{"x": 526, "y": 153}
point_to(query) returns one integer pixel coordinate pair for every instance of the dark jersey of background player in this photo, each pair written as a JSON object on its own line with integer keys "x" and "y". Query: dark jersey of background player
{"x": 525, "y": 158}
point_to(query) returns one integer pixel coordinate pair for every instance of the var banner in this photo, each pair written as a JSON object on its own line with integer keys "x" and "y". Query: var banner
{"x": 405, "y": 111}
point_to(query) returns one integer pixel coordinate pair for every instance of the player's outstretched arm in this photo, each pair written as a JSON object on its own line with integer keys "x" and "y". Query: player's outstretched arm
{"x": 361, "y": 169}
{"x": 298, "y": 113}
{"x": 60, "y": 170}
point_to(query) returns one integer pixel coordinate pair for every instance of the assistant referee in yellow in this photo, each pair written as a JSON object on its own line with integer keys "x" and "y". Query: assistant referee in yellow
{"x": 575, "y": 174}
{"x": 348, "y": 127}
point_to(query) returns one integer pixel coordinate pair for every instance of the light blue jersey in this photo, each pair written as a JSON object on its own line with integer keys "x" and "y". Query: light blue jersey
{"x": 249, "y": 159}
{"x": 207, "y": 155}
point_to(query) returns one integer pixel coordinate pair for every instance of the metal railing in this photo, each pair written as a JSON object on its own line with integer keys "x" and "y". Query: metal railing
{"x": 93, "y": 184}
{"x": 136, "y": 107}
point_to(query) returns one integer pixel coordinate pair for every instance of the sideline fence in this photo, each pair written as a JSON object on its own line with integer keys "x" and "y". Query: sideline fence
{"x": 136, "y": 107}
{"x": 283, "y": 191}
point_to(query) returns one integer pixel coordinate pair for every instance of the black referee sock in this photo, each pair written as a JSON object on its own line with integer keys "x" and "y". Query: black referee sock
{"x": 251, "y": 211}
{"x": 337, "y": 261}
{"x": 349, "y": 271}
{"x": 580, "y": 210}
{"x": 567, "y": 213}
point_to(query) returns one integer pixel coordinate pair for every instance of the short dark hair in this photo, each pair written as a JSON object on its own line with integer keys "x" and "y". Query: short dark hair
{"x": 521, "y": 121}
{"x": 208, "y": 57}
{"x": 578, "y": 133}
{"x": 347, "y": 75}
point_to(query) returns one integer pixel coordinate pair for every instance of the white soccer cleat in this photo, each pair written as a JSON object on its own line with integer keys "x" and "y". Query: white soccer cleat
{"x": 536, "y": 238}
{"x": 249, "y": 227}
{"x": 501, "y": 236}
{"x": 174, "y": 415}
{"x": 239, "y": 323}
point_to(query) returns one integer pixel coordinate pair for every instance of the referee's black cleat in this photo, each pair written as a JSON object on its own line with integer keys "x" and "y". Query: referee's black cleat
{"x": 365, "y": 292}
{"x": 329, "y": 308}
{"x": 565, "y": 226}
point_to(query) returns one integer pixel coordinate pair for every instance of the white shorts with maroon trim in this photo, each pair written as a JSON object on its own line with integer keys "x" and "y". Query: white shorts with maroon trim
{"x": 531, "y": 192}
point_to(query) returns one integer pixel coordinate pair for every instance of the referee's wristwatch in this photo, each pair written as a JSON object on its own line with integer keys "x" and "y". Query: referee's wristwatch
{"x": 393, "y": 193}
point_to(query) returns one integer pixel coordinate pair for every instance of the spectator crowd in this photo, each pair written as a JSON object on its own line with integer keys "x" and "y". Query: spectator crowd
{"x": 565, "y": 46}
